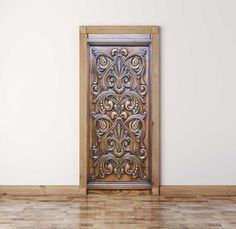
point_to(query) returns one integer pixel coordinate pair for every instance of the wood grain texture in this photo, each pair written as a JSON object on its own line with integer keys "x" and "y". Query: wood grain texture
{"x": 122, "y": 29}
{"x": 119, "y": 192}
{"x": 118, "y": 212}
{"x": 119, "y": 185}
{"x": 83, "y": 80}
{"x": 37, "y": 190}
{"x": 155, "y": 113}
{"x": 165, "y": 190}
{"x": 197, "y": 190}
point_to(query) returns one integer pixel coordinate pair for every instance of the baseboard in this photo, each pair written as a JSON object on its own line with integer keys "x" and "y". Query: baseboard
{"x": 39, "y": 190}
{"x": 197, "y": 190}
{"x": 165, "y": 190}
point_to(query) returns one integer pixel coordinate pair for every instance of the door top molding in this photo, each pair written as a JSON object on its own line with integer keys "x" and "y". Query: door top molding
{"x": 120, "y": 29}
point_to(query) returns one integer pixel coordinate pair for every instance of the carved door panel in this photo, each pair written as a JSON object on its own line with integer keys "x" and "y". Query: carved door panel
{"x": 119, "y": 111}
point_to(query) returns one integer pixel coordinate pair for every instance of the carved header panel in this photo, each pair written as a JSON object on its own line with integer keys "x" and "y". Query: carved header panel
{"x": 119, "y": 113}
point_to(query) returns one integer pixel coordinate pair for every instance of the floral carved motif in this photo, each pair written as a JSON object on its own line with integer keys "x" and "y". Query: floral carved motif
{"x": 118, "y": 112}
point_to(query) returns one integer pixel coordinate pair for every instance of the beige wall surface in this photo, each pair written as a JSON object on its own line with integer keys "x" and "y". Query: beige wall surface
{"x": 39, "y": 86}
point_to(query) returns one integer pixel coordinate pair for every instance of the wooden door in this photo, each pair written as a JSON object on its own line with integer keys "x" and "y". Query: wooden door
{"x": 119, "y": 95}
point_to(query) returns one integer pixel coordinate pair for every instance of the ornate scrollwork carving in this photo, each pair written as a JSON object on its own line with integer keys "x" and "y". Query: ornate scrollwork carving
{"x": 118, "y": 99}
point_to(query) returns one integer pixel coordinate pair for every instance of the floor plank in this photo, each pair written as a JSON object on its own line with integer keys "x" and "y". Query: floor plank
{"x": 98, "y": 211}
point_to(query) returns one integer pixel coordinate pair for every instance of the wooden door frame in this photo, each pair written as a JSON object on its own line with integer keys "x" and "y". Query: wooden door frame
{"x": 155, "y": 111}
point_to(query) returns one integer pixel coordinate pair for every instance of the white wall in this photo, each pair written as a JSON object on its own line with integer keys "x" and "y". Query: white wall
{"x": 39, "y": 86}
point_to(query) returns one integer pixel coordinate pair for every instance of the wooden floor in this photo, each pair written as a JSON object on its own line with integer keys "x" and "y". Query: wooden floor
{"x": 114, "y": 212}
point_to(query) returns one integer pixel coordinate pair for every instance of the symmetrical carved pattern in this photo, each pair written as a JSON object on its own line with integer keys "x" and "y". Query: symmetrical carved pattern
{"x": 118, "y": 112}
